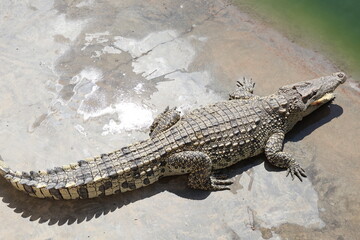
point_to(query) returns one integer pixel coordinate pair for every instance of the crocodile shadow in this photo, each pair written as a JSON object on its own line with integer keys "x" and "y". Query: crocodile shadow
{"x": 68, "y": 212}
{"x": 313, "y": 121}
{"x": 77, "y": 211}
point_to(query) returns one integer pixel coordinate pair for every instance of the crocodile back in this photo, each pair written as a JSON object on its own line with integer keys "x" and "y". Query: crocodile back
{"x": 228, "y": 131}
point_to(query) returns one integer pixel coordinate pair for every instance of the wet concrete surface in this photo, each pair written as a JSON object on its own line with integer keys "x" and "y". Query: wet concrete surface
{"x": 79, "y": 78}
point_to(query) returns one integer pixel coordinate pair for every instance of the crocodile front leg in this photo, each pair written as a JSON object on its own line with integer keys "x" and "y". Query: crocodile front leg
{"x": 164, "y": 121}
{"x": 275, "y": 155}
{"x": 245, "y": 90}
{"x": 199, "y": 167}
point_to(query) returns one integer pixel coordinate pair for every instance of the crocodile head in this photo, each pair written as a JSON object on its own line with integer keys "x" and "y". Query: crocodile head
{"x": 307, "y": 96}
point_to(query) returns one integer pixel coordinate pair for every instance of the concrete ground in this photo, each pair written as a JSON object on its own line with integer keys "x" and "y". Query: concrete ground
{"x": 84, "y": 77}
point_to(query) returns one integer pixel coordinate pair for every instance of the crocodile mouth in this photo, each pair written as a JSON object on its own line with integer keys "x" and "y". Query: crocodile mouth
{"x": 324, "y": 99}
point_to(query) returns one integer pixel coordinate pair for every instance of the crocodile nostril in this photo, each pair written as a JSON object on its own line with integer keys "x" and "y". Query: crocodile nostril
{"x": 342, "y": 76}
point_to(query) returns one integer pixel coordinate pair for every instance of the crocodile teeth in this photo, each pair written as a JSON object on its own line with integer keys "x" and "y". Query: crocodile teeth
{"x": 327, "y": 97}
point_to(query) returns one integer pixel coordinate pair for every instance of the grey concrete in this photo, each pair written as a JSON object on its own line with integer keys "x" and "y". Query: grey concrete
{"x": 79, "y": 78}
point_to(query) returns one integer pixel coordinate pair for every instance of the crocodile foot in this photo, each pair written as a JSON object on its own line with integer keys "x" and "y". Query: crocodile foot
{"x": 296, "y": 170}
{"x": 246, "y": 84}
{"x": 244, "y": 90}
{"x": 220, "y": 184}
{"x": 212, "y": 184}
{"x": 164, "y": 121}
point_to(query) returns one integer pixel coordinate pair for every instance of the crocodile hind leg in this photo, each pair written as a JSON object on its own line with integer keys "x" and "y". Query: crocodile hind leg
{"x": 245, "y": 89}
{"x": 275, "y": 155}
{"x": 199, "y": 167}
{"x": 164, "y": 121}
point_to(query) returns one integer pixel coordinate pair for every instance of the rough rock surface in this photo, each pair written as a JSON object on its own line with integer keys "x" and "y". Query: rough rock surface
{"x": 80, "y": 78}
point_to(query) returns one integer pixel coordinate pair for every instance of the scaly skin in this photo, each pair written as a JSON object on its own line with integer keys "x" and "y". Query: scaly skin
{"x": 206, "y": 139}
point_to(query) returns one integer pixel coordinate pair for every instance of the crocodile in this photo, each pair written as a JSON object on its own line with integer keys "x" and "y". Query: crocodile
{"x": 198, "y": 144}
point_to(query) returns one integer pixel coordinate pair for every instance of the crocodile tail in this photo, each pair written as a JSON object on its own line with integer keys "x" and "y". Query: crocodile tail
{"x": 4, "y": 170}
{"x": 73, "y": 181}
{"x": 11, "y": 176}
{"x": 17, "y": 179}
{"x": 103, "y": 175}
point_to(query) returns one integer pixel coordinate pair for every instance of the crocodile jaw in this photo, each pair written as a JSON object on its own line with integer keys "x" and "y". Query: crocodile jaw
{"x": 324, "y": 99}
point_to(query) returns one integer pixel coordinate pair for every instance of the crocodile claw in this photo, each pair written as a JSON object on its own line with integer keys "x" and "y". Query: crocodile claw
{"x": 247, "y": 84}
{"x": 296, "y": 170}
{"x": 220, "y": 188}
{"x": 221, "y": 181}
{"x": 220, "y": 184}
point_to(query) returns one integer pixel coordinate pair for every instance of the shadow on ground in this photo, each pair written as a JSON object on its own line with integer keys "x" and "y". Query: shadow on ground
{"x": 77, "y": 211}
{"x": 315, "y": 120}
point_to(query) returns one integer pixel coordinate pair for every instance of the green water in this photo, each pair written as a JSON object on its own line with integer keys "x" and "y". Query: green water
{"x": 330, "y": 26}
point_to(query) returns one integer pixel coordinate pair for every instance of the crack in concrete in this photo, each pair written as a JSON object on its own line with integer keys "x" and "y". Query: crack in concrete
{"x": 182, "y": 34}
{"x": 189, "y": 30}
{"x": 210, "y": 17}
